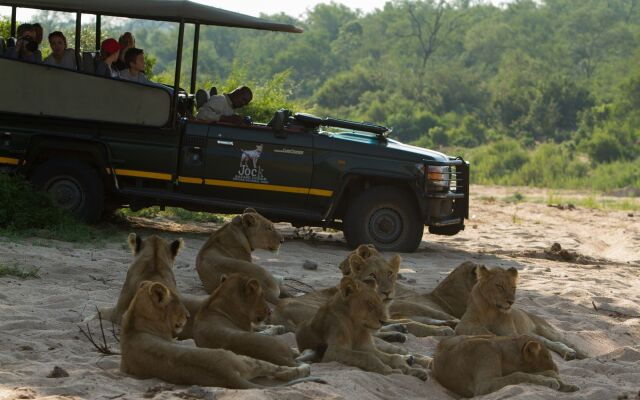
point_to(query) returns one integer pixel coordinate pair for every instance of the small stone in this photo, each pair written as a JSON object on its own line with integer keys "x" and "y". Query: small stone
{"x": 475, "y": 226}
{"x": 26, "y": 348}
{"x": 310, "y": 265}
{"x": 623, "y": 397}
{"x": 196, "y": 392}
{"x": 630, "y": 215}
{"x": 58, "y": 372}
{"x": 555, "y": 248}
{"x": 411, "y": 280}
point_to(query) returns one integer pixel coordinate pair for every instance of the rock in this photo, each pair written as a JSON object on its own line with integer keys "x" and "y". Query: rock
{"x": 26, "y": 348}
{"x": 475, "y": 226}
{"x": 630, "y": 215}
{"x": 555, "y": 248}
{"x": 58, "y": 372}
{"x": 310, "y": 265}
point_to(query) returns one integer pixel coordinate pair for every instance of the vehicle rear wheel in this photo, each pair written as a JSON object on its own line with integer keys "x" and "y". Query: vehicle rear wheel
{"x": 386, "y": 217}
{"x": 73, "y": 185}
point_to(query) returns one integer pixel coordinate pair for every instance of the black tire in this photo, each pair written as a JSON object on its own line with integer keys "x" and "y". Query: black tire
{"x": 386, "y": 217}
{"x": 74, "y": 186}
{"x": 446, "y": 230}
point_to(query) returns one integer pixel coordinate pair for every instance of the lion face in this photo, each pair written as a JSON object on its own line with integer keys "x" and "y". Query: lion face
{"x": 158, "y": 308}
{"x": 365, "y": 305}
{"x": 376, "y": 269}
{"x": 497, "y": 286}
{"x": 246, "y": 294}
{"x": 261, "y": 232}
{"x": 536, "y": 357}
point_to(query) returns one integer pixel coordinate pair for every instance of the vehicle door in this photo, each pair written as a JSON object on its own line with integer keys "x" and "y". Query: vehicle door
{"x": 254, "y": 165}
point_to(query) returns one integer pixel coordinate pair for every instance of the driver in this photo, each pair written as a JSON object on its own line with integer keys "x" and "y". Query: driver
{"x": 222, "y": 107}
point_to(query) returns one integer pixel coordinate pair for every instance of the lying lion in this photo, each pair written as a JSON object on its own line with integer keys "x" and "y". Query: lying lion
{"x": 225, "y": 321}
{"x": 228, "y": 250}
{"x": 476, "y": 365}
{"x": 342, "y": 331}
{"x": 154, "y": 317}
{"x": 364, "y": 266}
{"x": 490, "y": 311}
{"x": 153, "y": 261}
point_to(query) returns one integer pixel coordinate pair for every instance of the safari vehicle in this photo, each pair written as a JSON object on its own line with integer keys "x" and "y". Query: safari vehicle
{"x": 93, "y": 155}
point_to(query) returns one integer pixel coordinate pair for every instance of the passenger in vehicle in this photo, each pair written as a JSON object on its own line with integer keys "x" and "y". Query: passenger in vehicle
{"x": 60, "y": 56}
{"x": 134, "y": 59}
{"x": 222, "y": 107}
{"x": 126, "y": 42}
{"x": 26, "y": 47}
{"x": 39, "y": 33}
{"x": 109, "y": 51}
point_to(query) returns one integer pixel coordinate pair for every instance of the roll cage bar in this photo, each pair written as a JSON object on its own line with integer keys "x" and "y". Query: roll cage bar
{"x": 180, "y": 11}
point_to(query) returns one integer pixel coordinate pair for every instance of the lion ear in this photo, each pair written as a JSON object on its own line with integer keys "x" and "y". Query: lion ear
{"x": 249, "y": 220}
{"x": 135, "y": 243}
{"x": 176, "y": 246}
{"x": 513, "y": 272}
{"x": 223, "y": 278}
{"x": 531, "y": 350}
{"x": 395, "y": 262}
{"x": 356, "y": 263}
{"x": 345, "y": 267}
{"x": 348, "y": 286}
{"x": 364, "y": 250}
{"x": 252, "y": 287}
{"x": 482, "y": 272}
{"x": 159, "y": 294}
{"x": 249, "y": 210}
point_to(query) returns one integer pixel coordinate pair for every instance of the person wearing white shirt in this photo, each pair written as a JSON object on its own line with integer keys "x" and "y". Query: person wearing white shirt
{"x": 60, "y": 56}
{"x": 221, "y": 108}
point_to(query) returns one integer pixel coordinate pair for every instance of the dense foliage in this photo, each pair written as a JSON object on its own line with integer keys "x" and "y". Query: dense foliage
{"x": 535, "y": 92}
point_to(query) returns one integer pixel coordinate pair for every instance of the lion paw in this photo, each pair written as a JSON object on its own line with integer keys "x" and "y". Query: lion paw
{"x": 550, "y": 383}
{"x": 418, "y": 373}
{"x": 570, "y": 354}
{"x": 422, "y": 361}
{"x": 393, "y": 337}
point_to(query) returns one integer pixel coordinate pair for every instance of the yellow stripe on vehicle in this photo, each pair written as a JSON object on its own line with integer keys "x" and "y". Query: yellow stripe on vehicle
{"x": 7, "y": 160}
{"x": 272, "y": 188}
{"x": 186, "y": 179}
{"x": 143, "y": 174}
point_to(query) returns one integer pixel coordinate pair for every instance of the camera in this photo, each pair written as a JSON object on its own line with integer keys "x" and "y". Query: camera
{"x": 30, "y": 43}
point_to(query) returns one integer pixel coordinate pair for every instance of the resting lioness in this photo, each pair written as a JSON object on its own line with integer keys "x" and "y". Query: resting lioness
{"x": 342, "y": 331}
{"x": 228, "y": 250}
{"x": 225, "y": 321}
{"x": 490, "y": 311}
{"x": 154, "y": 317}
{"x": 476, "y": 365}
{"x": 153, "y": 261}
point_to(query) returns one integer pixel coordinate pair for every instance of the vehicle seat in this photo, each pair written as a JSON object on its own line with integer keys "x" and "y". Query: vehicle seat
{"x": 3, "y": 46}
{"x": 89, "y": 62}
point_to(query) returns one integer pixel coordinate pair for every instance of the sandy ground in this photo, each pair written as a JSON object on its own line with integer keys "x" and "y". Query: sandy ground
{"x": 594, "y": 298}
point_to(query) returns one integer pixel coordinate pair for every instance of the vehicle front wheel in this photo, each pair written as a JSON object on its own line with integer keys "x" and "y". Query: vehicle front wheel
{"x": 386, "y": 217}
{"x": 73, "y": 185}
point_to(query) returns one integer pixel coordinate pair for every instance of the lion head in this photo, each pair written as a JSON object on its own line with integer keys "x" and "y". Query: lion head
{"x": 535, "y": 356}
{"x": 155, "y": 309}
{"x": 260, "y": 232}
{"x": 242, "y": 294}
{"x": 497, "y": 287}
{"x": 376, "y": 268}
{"x": 366, "y": 308}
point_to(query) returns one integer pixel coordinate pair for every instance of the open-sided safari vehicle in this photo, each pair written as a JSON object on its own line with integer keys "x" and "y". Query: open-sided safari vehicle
{"x": 63, "y": 130}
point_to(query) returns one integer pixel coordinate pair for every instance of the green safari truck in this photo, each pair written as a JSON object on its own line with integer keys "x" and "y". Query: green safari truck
{"x": 93, "y": 155}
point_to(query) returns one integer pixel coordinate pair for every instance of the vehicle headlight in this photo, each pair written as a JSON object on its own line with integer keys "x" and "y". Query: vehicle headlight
{"x": 438, "y": 176}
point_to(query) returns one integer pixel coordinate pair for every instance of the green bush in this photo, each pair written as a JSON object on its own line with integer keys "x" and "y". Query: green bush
{"x": 498, "y": 162}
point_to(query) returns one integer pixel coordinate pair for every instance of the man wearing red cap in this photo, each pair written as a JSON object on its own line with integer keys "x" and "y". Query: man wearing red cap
{"x": 109, "y": 51}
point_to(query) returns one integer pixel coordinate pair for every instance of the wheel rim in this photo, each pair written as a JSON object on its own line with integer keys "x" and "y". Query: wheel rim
{"x": 66, "y": 192}
{"x": 385, "y": 225}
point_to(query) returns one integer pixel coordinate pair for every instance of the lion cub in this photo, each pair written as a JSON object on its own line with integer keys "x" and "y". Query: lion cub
{"x": 225, "y": 321}
{"x": 228, "y": 250}
{"x": 490, "y": 311}
{"x": 154, "y": 317}
{"x": 342, "y": 331}
{"x": 476, "y": 365}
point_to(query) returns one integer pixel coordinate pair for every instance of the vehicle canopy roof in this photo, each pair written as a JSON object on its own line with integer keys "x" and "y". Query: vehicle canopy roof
{"x": 161, "y": 10}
